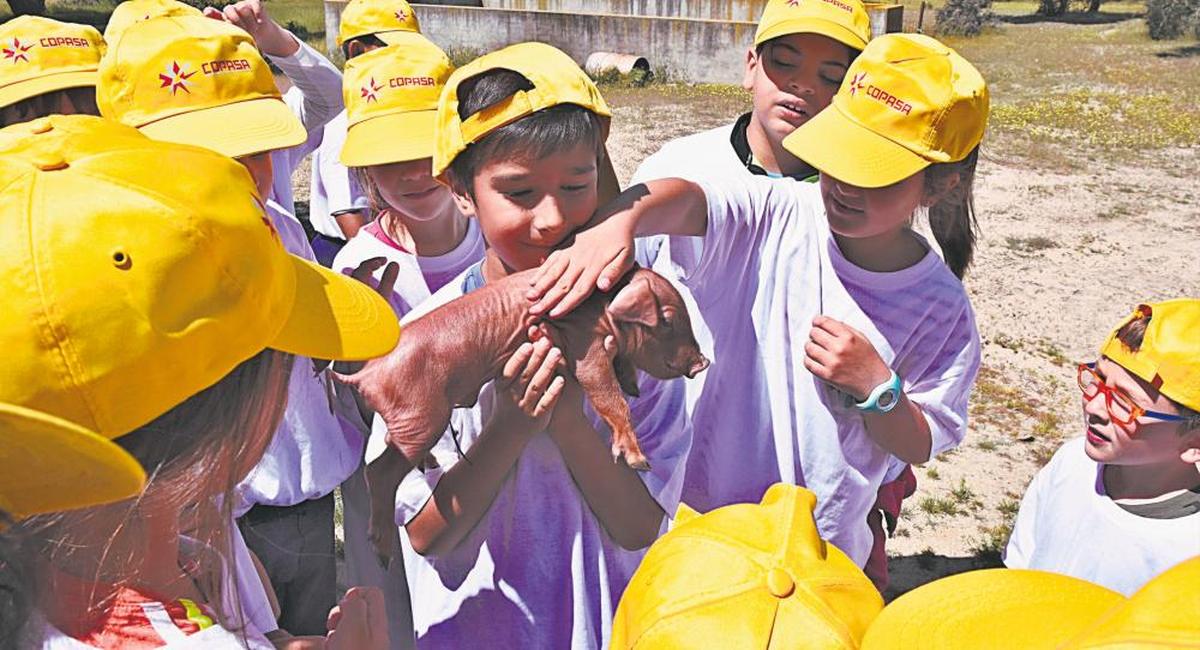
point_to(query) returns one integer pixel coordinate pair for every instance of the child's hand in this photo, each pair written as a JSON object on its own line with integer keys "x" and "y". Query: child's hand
{"x": 529, "y": 382}
{"x": 359, "y": 622}
{"x": 842, "y": 356}
{"x": 599, "y": 257}
{"x": 387, "y": 282}
{"x": 252, "y": 17}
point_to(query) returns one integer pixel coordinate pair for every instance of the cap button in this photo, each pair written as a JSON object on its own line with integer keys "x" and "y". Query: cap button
{"x": 779, "y": 583}
{"x": 42, "y": 125}
{"x": 49, "y": 162}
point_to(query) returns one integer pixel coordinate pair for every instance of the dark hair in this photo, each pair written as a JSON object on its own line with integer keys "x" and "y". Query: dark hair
{"x": 31, "y": 108}
{"x": 851, "y": 52}
{"x": 368, "y": 41}
{"x": 952, "y": 219}
{"x": 211, "y": 439}
{"x": 532, "y": 137}
{"x": 1131, "y": 335}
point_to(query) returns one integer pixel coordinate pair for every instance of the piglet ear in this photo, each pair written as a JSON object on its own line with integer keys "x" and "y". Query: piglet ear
{"x": 635, "y": 303}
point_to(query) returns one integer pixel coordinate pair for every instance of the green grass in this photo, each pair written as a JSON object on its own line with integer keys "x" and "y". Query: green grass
{"x": 932, "y": 473}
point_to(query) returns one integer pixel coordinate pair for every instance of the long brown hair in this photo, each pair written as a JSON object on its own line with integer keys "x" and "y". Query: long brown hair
{"x": 206, "y": 444}
{"x": 952, "y": 219}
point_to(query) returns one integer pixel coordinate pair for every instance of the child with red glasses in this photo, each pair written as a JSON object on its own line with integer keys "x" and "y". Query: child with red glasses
{"x": 1122, "y": 504}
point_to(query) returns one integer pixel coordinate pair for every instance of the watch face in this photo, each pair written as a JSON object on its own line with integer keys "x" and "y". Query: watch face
{"x": 887, "y": 399}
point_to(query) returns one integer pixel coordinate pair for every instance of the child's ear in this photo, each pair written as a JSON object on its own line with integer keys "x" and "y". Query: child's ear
{"x": 941, "y": 186}
{"x": 462, "y": 200}
{"x": 354, "y": 48}
{"x": 751, "y": 69}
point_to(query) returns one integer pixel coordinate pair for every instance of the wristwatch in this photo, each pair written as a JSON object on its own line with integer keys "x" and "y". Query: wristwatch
{"x": 884, "y": 397}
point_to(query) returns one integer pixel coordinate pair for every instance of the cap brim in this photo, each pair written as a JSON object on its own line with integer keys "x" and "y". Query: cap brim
{"x": 22, "y": 90}
{"x": 336, "y": 317}
{"x": 827, "y": 28}
{"x": 397, "y": 137}
{"x": 235, "y": 130}
{"x": 48, "y": 465}
{"x": 840, "y": 147}
{"x": 396, "y": 36}
{"x": 991, "y": 609}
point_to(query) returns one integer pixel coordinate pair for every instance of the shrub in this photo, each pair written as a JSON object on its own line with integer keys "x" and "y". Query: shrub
{"x": 1172, "y": 18}
{"x": 964, "y": 17}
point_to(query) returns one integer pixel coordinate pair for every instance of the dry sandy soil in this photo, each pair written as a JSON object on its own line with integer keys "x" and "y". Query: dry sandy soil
{"x": 1088, "y": 199}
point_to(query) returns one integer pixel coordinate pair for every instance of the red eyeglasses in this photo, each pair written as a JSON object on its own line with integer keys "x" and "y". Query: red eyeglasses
{"x": 1121, "y": 408}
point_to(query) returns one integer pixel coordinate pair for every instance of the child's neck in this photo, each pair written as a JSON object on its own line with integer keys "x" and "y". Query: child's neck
{"x": 884, "y": 253}
{"x": 494, "y": 268}
{"x": 426, "y": 237}
{"x": 772, "y": 156}
{"x": 1148, "y": 481}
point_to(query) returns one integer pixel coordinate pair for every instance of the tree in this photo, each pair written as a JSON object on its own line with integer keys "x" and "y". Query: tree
{"x": 25, "y": 7}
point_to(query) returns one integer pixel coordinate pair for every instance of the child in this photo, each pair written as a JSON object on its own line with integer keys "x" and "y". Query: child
{"x": 178, "y": 310}
{"x": 841, "y": 338}
{"x": 751, "y": 576}
{"x": 528, "y": 539}
{"x": 337, "y": 205}
{"x": 198, "y": 81}
{"x": 799, "y": 58}
{"x": 49, "y": 67}
{"x": 391, "y": 97}
{"x": 1122, "y": 504}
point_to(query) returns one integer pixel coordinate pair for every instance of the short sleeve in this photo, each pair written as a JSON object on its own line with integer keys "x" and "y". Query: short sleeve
{"x": 944, "y": 388}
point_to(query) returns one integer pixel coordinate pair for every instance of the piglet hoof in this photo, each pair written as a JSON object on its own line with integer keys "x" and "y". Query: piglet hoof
{"x": 633, "y": 458}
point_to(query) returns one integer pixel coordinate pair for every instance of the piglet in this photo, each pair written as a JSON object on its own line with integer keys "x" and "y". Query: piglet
{"x": 445, "y": 357}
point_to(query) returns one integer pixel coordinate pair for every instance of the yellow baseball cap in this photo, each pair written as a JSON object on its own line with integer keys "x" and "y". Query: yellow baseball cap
{"x": 41, "y": 55}
{"x": 137, "y": 273}
{"x": 195, "y": 80}
{"x": 1170, "y": 354}
{"x": 384, "y": 19}
{"x": 135, "y": 11}
{"x": 391, "y": 101}
{"x": 555, "y": 77}
{"x": 747, "y": 576}
{"x": 907, "y": 102}
{"x": 845, "y": 21}
{"x": 1019, "y": 608}
{"x": 48, "y": 464}
{"x": 991, "y": 609}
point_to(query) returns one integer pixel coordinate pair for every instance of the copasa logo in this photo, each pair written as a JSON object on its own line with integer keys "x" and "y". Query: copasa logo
{"x": 370, "y": 91}
{"x": 15, "y": 52}
{"x": 840, "y": 5}
{"x": 859, "y": 82}
{"x": 64, "y": 41}
{"x": 225, "y": 65}
{"x": 401, "y": 82}
{"x": 176, "y": 78}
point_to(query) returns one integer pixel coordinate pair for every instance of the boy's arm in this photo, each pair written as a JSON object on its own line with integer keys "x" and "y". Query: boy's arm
{"x": 466, "y": 491}
{"x": 602, "y": 254}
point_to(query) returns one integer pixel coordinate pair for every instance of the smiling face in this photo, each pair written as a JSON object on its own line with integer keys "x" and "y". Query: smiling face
{"x": 527, "y": 208}
{"x": 409, "y": 188}
{"x": 792, "y": 78}
{"x": 1148, "y": 441}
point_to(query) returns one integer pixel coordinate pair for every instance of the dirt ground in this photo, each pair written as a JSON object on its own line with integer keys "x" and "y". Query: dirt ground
{"x": 1088, "y": 201}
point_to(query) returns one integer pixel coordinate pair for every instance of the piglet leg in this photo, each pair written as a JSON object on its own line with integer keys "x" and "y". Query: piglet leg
{"x": 595, "y": 375}
{"x": 383, "y": 479}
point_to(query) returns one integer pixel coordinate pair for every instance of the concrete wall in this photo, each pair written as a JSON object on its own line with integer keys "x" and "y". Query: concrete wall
{"x": 688, "y": 49}
{"x": 744, "y": 10}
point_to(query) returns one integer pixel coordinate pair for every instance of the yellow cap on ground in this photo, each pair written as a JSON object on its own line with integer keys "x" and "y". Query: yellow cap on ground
{"x": 845, "y": 21}
{"x": 137, "y": 273}
{"x": 195, "y": 80}
{"x": 907, "y": 101}
{"x": 40, "y": 55}
{"x": 1170, "y": 353}
{"x": 747, "y": 576}
{"x": 131, "y": 12}
{"x": 391, "y": 101}
{"x": 383, "y": 19}
{"x": 556, "y": 80}
{"x": 48, "y": 464}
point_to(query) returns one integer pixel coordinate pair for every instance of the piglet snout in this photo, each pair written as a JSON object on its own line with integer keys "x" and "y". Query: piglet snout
{"x": 698, "y": 366}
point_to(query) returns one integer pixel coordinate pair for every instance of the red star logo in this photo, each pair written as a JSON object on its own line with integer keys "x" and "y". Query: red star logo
{"x": 369, "y": 91}
{"x": 857, "y": 83}
{"x": 16, "y": 51}
{"x": 401, "y": 15}
{"x": 266, "y": 219}
{"x": 175, "y": 78}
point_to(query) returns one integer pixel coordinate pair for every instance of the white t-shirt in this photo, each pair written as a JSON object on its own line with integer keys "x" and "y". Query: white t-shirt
{"x": 538, "y": 570}
{"x": 419, "y": 276}
{"x": 1067, "y": 524}
{"x": 333, "y": 187}
{"x": 315, "y": 97}
{"x": 765, "y": 268}
{"x": 707, "y": 154}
